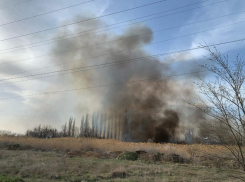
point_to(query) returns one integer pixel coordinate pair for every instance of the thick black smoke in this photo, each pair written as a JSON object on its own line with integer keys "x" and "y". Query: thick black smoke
{"x": 152, "y": 107}
{"x": 167, "y": 127}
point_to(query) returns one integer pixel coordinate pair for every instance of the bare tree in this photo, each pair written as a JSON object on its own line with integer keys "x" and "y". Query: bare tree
{"x": 64, "y": 130}
{"x": 189, "y": 135}
{"x": 96, "y": 122}
{"x": 86, "y": 127}
{"x": 82, "y": 127}
{"x": 119, "y": 127}
{"x": 100, "y": 125}
{"x": 111, "y": 126}
{"x": 108, "y": 127}
{"x": 93, "y": 130}
{"x": 104, "y": 124}
{"x": 73, "y": 128}
{"x": 70, "y": 127}
{"x": 223, "y": 100}
{"x": 114, "y": 126}
{"x": 43, "y": 132}
{"x": 9, "y": 133}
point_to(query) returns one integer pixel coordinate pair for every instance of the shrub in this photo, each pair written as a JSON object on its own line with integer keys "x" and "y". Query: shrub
{"x": 132, "y": 156}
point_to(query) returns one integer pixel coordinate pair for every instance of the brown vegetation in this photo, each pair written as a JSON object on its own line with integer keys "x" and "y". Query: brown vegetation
{"x": 84, "y": 159}
{"x": 209, "y": 155}
{"x": 52, "y": 166}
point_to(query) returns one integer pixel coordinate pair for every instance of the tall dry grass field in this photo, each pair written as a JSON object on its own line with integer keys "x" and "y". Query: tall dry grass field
{"x": 75, "y": 144}
{"x": 49, "y": 157}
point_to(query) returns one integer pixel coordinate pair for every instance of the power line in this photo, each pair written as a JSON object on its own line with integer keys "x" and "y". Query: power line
{"x": 79, "y": 48}
{"x": 129, "y": 82}
{"x": 104, "y": 55}
{"x": 126, "y": 61}
{"x": 100, "y": 86}
{"x": 42, "y": 14}
{"x": 50, "y": 41}
{"x": 117, "y": 12}
{"x": 63, "y": 37}
{"x": 79, "y": 70}
{"x": 11, "y": 5}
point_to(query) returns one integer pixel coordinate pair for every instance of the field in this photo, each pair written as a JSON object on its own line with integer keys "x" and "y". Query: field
{"x": 73, "y": 159}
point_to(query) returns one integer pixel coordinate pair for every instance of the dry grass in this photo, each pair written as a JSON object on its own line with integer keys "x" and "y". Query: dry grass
{"x": 114, "y": 145}
{"x": 53, "y": 166}
{"x": 202, "y": 155}
{"x": 46, "y": 161}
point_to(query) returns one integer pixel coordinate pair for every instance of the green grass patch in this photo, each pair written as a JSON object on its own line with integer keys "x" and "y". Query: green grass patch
{"x": 132, "y": 156}
{"x": 5, "y": 178}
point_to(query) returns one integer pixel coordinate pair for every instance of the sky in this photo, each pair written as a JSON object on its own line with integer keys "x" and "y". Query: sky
{"x": 19, "y": 114}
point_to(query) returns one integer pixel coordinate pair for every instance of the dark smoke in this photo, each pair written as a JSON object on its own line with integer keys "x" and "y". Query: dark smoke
{"x": 150, "y": 114}
{"x": 167, "y": 128}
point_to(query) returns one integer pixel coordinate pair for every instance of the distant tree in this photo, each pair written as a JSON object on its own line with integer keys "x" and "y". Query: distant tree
{"x": 114, "y": 126}
{"x": 96, "y": 119}
{"x": 125, "y": 126}
{"x": 118, "y": 126}
{"x": 93, "y": 130}
{"x": 73, "y": 128}
{"x": 86, "y": 127}
{"x": 9, "y": 133}
{"x": 70, "y": 127}
{"x": 108, "y": 127}
{"x": 100, "y": 125}
{"x": 43, "y": 132}
{"x": 104, "y": 123}
{"x": 82, "y": 127}
{"x": 189, "y": 135}
{"x": 64, "y": 130}
{"x": 55, "y": 133}
{"x": 111, "y": 127}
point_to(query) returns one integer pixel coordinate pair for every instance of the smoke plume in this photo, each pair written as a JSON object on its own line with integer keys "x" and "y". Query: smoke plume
{"x": 149, "y": 113}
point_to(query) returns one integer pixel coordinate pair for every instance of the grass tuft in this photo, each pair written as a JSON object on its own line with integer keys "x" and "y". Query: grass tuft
{"x": 131, "y": 156}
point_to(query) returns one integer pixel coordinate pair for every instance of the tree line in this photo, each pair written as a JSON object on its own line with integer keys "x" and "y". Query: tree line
{"x": 95, "y": 126}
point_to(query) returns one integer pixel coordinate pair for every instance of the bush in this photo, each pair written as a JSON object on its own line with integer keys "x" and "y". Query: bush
{"x": 132, "y": 156}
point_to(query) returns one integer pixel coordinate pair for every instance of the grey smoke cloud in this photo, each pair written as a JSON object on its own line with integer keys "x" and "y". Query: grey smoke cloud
{"x": 151, "y": 115}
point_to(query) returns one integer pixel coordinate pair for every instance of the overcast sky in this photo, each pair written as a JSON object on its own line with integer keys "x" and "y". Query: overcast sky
{"x": 20, "y": 114}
